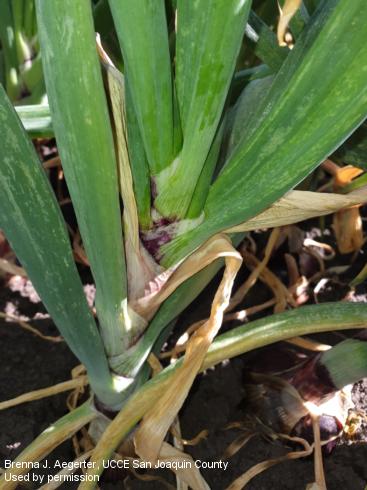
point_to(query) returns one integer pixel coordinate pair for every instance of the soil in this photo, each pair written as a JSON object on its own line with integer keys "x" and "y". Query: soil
{"x": 216, "y": 399}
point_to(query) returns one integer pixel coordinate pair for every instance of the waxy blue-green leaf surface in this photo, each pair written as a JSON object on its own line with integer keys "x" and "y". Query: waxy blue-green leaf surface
{"x": 33, "y": 224}
{"x": 142, "y": 31}
{"x": 208, "y": 40}
{"x": 317, "y": 99}
{"x": 83, "y": 133}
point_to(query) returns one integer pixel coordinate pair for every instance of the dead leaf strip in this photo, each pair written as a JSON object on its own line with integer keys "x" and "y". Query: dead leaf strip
{"x": 237, "y": 444}
{"x": 78, "y": 370}
{"x": 301, "y": 205}
{"x": 29, "y": 328}
{"x": 116, "y": 92}
{"x": 45, "y": 392}
{"x": 290, "y": 7}
{"x": 241, "y": 292}
{"x": 242, "y": 480}
{"x": 155, "y": 424}
{"x": 203, "y": 434}
{"x": 315, "y": 413}
{"x": 251, "y": 244}
{"x": 243, "y": 314}
{"x": 281, "y": 293}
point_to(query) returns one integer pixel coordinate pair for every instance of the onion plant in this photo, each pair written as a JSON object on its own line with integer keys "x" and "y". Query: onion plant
{"x": 20, "y": 57}
{"x": 170, "y": 155}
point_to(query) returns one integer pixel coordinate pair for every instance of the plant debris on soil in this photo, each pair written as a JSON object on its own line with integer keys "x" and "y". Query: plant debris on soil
{"x": 304, "y": 267}
{"x": 218, "y": 399}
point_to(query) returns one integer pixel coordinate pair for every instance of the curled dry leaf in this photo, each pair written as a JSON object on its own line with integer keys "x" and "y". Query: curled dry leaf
{"x": 155, "y": 424}
{"x": 301, "y": 205}
{"x": 215, "y": 248}
{"x": 242, "y": 480}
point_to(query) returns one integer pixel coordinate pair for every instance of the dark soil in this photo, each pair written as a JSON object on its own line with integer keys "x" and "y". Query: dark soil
{"x": 217, "y": 398}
